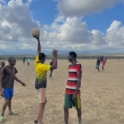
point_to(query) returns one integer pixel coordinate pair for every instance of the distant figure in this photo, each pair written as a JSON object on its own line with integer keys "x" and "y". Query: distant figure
{"x": 28, "y": 61}
{"x": 2, "y": 65}
{"x": 101, "y": 58}
{"x": 103, "y": 63}
{"x": 51, "y": 70}
{"x": 98, "y": 63}
{"x": 24, "y": 60}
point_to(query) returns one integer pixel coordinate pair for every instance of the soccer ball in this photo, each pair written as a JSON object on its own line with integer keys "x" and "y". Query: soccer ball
{"x": 35, "y": 32}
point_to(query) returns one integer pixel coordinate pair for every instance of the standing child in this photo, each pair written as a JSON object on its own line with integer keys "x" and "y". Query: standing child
{"x": 28, "y": 61}
{"x": 103, "y": 63}
{"x": 98, "y": 63}
{"x": 41, "y": 79}
{"x": 24, "y": 60}
{"x": 8, "y": 75}
{"x": 72, "y": 92}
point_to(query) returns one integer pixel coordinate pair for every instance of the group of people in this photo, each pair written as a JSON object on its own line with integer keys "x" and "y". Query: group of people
{"x": 102, "y": 60}
{"x": 28, "y": 60}
{"x": 72, "y": 90}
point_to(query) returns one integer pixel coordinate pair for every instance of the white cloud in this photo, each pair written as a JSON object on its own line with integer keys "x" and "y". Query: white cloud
{"x": 65, "y": 33}
{"x": 115, "y": 34}
{"x": 3, "y": 46}
{"x": 15, "y": 21}
{"x": 84, "y": 7}
{"x": 30, "y": 1}
{"x": 98, "y": 38}
{"x": 72, "y": 30}
{"x": 73, "y": 34}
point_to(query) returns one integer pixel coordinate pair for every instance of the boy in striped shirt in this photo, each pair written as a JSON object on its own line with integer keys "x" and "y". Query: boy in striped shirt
{"x": 72, "y": 92}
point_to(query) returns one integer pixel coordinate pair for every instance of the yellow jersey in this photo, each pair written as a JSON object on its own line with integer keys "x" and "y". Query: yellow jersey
{"x": 41, "y": 74}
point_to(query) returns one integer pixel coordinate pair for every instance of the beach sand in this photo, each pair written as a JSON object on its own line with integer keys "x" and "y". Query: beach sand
{"x": 102, "y": 94}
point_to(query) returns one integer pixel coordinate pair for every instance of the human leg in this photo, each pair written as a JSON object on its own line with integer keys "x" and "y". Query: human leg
{"x": 77, "y": 103}
{"x": 42, "y": 103}
{"x": 7, "y": 98}
{"x": 68, "y": 102}
{"x": 66, "y": 115}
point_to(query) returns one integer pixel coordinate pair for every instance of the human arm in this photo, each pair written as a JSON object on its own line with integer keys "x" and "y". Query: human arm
{"x": 38, "y": 45}
{"x": 78, "y": 82}
{"x": 1, "y": 86}
{"x": 1, "y": 92}
{"x": 54, "y": 65}
{"x": 78, "y": 86}
{"x": 23, "y": 84}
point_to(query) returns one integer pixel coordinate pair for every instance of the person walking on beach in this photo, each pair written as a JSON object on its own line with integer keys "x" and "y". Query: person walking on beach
{"x": 24, "y": 60}
{"x": 8, "y": 75}
{"x": 104, "y": 62}
{"x": 41, "y": 79}
{"x": 72, "y": 92}
{"x": 98, "y": 63}
{"x": 51, "y": 70}
{"x": 28, "y": 61}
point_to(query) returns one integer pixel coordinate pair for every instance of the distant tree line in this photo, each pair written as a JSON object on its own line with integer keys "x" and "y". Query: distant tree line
{"x": 20, "y": 57}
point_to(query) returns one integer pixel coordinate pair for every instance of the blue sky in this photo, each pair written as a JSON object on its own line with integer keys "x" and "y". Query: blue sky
{"x": 44, "y": 10}
{"x": 93, "y": 26}
{"x": 106, "y": 17}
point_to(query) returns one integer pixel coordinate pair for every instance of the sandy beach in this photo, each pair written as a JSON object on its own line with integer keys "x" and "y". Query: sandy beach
{"x": 102, "y": 94}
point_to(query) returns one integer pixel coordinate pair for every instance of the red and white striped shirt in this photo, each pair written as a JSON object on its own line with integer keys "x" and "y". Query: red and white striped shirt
{"x": 72, "y": 81}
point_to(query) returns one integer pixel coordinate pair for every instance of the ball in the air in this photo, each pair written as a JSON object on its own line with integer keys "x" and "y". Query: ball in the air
{"x": 35, "y": 32}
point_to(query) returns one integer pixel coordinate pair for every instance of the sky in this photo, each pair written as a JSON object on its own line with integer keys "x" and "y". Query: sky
{"x": 83, "y": 26}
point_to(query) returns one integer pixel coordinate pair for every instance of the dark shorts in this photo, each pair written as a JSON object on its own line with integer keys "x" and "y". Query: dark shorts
{"x": 69, "y": 102}
{"x": 8, "y": 93}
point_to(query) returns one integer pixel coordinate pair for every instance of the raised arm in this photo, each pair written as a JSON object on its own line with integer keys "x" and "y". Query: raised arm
{"x": 38, "y": 45}
{"x": 54, "y": 66}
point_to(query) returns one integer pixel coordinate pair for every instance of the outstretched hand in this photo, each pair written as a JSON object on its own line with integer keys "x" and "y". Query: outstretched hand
{"x": 23, "y": 84}
{"x": 55, "y": 52}
{"x": 74, "y": 96}
{"x": 1, "y": 93}
{"x": 37, "y": 37}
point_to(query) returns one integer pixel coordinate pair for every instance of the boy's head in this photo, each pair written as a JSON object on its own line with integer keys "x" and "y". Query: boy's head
{"x": 12, "y": 61}
{"x": 72, "y": 56}
{"x": 98, "y": 58}
{"x": 42, "y": 57}
{"x": 2, "y": 64}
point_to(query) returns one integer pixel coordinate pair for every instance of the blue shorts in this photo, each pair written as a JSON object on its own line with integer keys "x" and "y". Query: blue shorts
{"x": 8, "y": 93}
{"x": 97, "y": 66}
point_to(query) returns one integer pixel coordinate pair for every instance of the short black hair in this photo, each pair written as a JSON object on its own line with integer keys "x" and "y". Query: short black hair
{"x": 72, "y": 53}
{"x": 42, "y": 56}
{"x": 10, "y": 59}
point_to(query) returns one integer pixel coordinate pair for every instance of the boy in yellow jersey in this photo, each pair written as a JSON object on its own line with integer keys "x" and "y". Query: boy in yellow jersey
{"x": 41, "y": 79}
